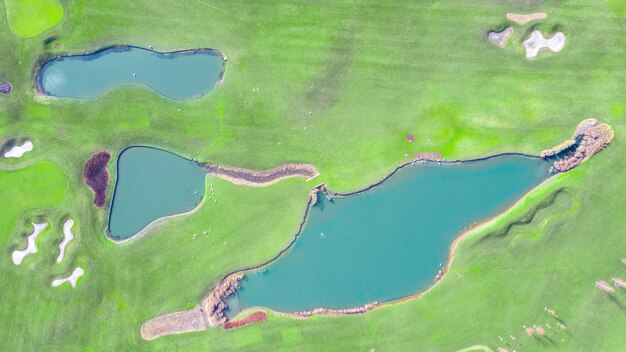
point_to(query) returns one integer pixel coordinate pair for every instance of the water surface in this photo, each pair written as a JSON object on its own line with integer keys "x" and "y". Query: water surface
{"x": 177, "y": 75}
{"x": 388, "y": 242}
{"x": 151, "y": 184}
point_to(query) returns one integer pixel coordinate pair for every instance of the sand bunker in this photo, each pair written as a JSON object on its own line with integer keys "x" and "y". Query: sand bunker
{"x": 261, "y": 178}
{"x": 67, "y": 237}
{"x": 31, "y": 246}
{"x": 523, "y": 19}
{"x": 500, "y": 38}
{"x": 536, "y": 42}
{"x": 78, "y": 272}
{"x": 19, "y": 150}
{"x": 590, "y": 138}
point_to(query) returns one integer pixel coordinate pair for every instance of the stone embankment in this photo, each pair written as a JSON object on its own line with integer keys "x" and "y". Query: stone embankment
{"x": 260, "y": 178}
{"x": 211, "y": 312}
{"x": 428, "y": 157}
{"x": 348, "y": 311}
{"x": 214, "y": 305}
{"x": 590, "y": 138}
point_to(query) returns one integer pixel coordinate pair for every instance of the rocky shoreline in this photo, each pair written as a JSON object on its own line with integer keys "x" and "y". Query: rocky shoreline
{"x": 326, "y": 311}
{"x": 214, "y": 305}
{"x": 260, "y": 178}
{"x": 589, "y": 138}
{"x": 211, "y": 312}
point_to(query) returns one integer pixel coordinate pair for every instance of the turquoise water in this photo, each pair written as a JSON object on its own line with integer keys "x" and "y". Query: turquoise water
{"x": 388, "y": 242}
{"x": 152, "y": 183}
{"x": 178, "y": 75}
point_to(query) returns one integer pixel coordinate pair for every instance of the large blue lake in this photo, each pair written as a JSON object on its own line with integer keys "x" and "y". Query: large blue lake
{"x": 387, "y": 242}
{"x": 177, "y": 75}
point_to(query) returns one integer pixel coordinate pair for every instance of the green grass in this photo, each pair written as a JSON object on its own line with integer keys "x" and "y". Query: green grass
{"x": 29, "y": 18}
{"x": 359, "y": 76}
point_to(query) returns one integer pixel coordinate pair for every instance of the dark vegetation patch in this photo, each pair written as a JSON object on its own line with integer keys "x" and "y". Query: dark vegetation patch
{"x": 96, "y": 176}
{"x": 49, "y": 40}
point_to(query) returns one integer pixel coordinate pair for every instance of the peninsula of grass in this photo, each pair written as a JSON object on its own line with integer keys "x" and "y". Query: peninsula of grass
{"x": 339, "y": 85}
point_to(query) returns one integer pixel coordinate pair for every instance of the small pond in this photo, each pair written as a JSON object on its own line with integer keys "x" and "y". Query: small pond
{"x": 152, "y": 183}
{"x": 388, "y": 242}
{"x": 177, "y": 75}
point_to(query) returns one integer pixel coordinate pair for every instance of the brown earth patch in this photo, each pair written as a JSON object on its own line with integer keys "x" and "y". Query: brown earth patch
{"x": 525, "y": 18}
{"x": 250, "y": 319}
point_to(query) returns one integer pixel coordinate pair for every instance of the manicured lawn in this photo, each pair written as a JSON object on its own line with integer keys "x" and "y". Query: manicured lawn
{"x": 29, "y": 18}
{"x": 340, "y": 85}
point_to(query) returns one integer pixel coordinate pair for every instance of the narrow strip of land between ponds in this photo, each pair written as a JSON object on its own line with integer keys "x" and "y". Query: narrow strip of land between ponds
{"x": 260, "y": 178}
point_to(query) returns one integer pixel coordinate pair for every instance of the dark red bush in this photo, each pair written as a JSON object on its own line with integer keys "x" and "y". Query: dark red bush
{"x": 252, "y": 318}
{"x": 96, "y": 176}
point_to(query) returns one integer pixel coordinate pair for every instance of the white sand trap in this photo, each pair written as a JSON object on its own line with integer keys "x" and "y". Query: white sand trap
{"x": 19, "y": 150}
{"x": 67, "y": 237}
{"x": 78, "y": 272}
{"x": 31, "y": 246}
{"x": 536, "y": 42}
{"x": 500, "y": 38}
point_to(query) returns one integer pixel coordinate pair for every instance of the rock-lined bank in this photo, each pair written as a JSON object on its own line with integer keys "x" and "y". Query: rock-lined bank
{"x": 347, "y": 311}
{"x": 260, "y": 178}
{"x": 589, "y": 138}
{"x": 211, "y": 312}
{"x": 214, "y": 305}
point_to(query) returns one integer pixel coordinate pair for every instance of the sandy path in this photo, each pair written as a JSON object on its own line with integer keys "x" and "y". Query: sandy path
{"x": 174, "y": 323}
{"x": 78, "y": 272}
{"x": 525, "y": 18}
{"x": 19, "y": 150}
{"x": 67, "y": 237}
{"x": 31, "y": 246}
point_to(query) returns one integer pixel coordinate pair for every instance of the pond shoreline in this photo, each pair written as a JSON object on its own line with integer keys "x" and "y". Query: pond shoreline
{"x": 442, "y": 273}
{"x": 217, "y": 315}
{"x": 43, "y": 62}
{"x": 444, "y": 270}
{"x": 236, "y": 176}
